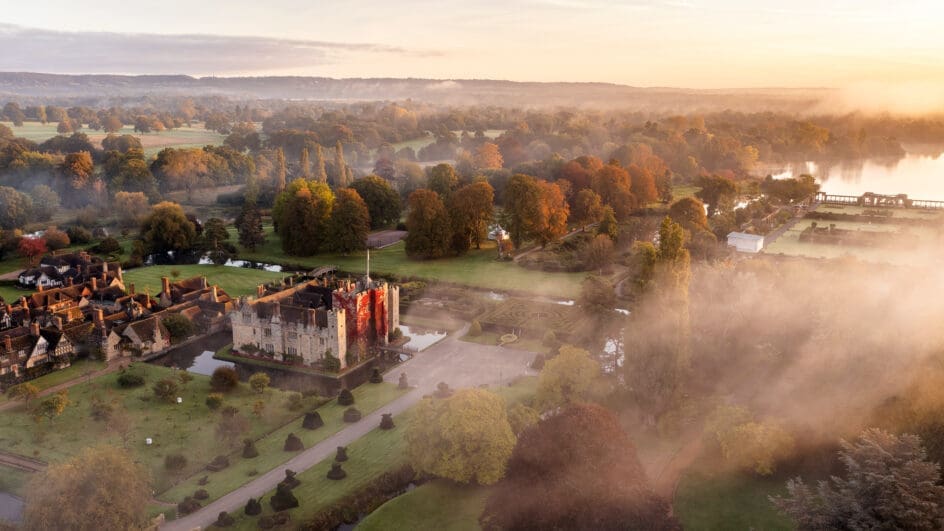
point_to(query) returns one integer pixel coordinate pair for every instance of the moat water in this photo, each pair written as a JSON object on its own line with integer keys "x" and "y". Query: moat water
{"x": 197, "y": 357}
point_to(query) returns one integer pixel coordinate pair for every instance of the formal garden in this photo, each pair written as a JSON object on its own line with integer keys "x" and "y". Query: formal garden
{"x": 138, "y": 408}
{"x": 375, "y": 468}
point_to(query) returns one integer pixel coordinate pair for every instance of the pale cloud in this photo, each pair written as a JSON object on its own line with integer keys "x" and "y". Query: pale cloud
{"x": 42, "y": 50}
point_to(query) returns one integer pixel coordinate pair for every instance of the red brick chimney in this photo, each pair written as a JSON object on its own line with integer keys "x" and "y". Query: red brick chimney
{"x": 94, "y": 284}
{"x": 216, "y": 295}
{"x": 69, "y": 282}
{"x": 39, "y": 287}
{"x": 58, "y": 321}
{"x": 131, "y": 288}
{"x": 8, "y": 343}
{"x": 260, "y": 291}
{"x": 165, "y": 286}
{"x": 99, "y": 316}
{"x": 34, "y": 328}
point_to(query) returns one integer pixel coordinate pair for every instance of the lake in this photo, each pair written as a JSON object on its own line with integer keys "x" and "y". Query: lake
{"x": 921, "y": 176}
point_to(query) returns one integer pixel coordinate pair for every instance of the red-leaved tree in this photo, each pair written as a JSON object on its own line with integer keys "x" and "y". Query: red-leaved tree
{"x": 31, "y": 249}
{"x": 575, "y": 470}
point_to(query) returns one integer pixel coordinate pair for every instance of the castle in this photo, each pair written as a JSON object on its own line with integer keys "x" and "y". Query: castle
{"x": 317, "y": 322}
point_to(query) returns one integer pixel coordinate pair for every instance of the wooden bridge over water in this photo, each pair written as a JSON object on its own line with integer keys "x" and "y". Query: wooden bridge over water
{"x": 869, "y": 199}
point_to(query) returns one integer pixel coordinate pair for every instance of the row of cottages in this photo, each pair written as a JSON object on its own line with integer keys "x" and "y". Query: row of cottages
{"x": 66, "y": 269}
{"x": 312, "y": 321}
{"x": 101, "y": 318}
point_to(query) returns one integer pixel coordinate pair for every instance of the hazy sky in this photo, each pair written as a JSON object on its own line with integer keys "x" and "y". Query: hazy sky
{"x": 691, "y": 43}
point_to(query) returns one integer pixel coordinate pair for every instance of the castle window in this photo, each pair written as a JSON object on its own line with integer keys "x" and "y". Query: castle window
{"x": 292, "y": 351}
{"x": 267, "y": 332}
{"x": 292, "y": 335}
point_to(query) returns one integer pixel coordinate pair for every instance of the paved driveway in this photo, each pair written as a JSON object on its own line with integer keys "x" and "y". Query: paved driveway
{"x": 455, "y": 362}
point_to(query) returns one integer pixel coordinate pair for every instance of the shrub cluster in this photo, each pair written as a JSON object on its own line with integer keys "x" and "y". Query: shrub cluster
{"x": 283, "y": 499}
{"x": 249, "y": 449}
{"x": 188, "y": 505}
{"x": 218, "y": 463}
{"x": 352, "y": 414}
{"x": 386, "y": 421}
{"x": 341, "y": 455}
{"x": 290, "y": 480}
{"x": 336, "y": 472}
{"x": 312, "y": 421}
{"x": 224, "y": 379}
{"x": 345, "y": 397}
{"x": 214, "y": 400}
{"x": 129, "y": 379}
{"x": 276, "y": 520}
{"x": 224, "y": 520}
{"x": 375, "y": 376}
{"x": 253, "y": 507}
{"x": 293, "y": 443}
{"x": 201, "y": 494}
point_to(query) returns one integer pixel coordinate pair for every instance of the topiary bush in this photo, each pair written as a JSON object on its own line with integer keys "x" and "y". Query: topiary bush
{"x": 336, "y": 472}
{"x": 376, "y": 377}
{"x": 201, "y": 494}
{"x": 293, "y": 443}
{"x": 224, "y": 379}
{"x": 352, "y": 414}
{"x": 214, "y": 400}
{"x": 386, "y": 421}
{"x": 442, "y": 390}
{"x": 475, "y": 329}
{"x": 549, "y": 339}
{"x": 341, "y": 455}
{"x": 203, "y": 481}
{"x": 253, "y": 507}
{"x": 312, "y": 421}
{"x": 188, "y": 505}
{"x": 224, "y": 520}
{"x": 290, "y": 480}
{"x": 538, "y": 362}
{"x": 128, "y": 380}
{"x": 218, "y": 463}
{"x": 283, "y": 499}
{"x": 403, "y": 383}
{"x": 249, "y": 449}
{"x": 346, "y": 397}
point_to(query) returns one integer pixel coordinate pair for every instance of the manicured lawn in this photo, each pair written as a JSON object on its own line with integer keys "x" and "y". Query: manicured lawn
{"x": 12, "y": 293}
{"x": 478, "y": 268}
{"x": 236, "y": 281}
{"x": 706, "y": 501}
{"x": 368, "y": 457}
{"x": 438, "y": 504}
{"x": 188, "y": 428}
{"x": 76, "y": 370}
{"x": 367, "y": 398}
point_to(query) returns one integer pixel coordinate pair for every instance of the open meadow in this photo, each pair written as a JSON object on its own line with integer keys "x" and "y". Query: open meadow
{"x": 184, "y": 137}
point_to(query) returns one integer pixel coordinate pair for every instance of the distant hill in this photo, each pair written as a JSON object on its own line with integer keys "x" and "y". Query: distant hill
{"x": 105, "y": 88}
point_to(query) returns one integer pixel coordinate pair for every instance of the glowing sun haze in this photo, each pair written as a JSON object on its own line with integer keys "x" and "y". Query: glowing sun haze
{"x": 682, "y": 43}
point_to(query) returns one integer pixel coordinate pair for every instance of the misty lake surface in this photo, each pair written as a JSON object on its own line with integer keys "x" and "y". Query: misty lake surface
{"x": 920, "y": 176}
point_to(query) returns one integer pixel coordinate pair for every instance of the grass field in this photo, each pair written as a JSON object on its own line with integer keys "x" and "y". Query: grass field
{"x": 680, "y": 191}
{"x": 187, "y": 428}
{"x": 236, "y": 281}
{"x": 76, "y": 370}
{"x": 194, "y": 136}
{"x": 708, "y": 502}
{"x": 367, "y": 398}
{"x": 477, "y": 268}
{"x": 436, "y": 505}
